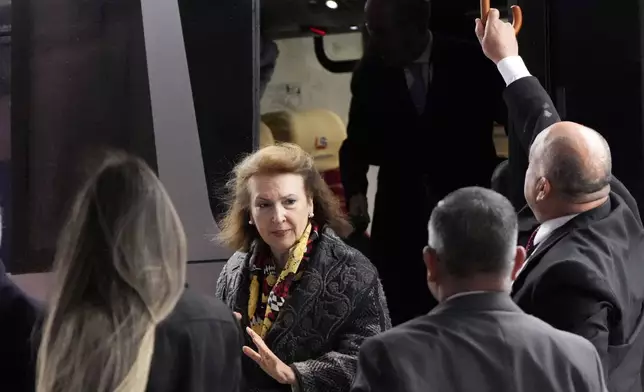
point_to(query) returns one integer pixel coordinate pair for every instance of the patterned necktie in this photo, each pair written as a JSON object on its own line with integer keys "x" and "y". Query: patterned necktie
{"x": 418, "y": 88}
{"x": 530, "y": 246}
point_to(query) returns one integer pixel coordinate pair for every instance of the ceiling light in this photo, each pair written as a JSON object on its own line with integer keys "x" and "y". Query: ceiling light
{"x": 332, "y": 4}
{"x": 354, "y": 28}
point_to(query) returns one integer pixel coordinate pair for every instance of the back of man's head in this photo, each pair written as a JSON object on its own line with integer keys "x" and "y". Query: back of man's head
{"x": 473, "y": 231}
{"x": 578, "y": 161}
{"x": 569, "y": 172}
{"x": 501, "y": 178}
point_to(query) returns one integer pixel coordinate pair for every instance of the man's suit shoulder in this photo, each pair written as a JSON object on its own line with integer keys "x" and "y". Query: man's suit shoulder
{"x": 432, "y": 326}
{"x": 569, "y": 267}
{"x": 574, "y": 255}
{"x": 424, "y": 327}
{"x": 416, "y": 338}
{"x": 195, "y": 308}
{"x": 620, "y": 190}
{"x": 363, "y": 75}
{"x": 516, "y": 331}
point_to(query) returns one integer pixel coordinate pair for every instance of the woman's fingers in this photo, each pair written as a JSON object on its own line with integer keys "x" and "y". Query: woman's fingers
{"x": 259, "y": 342}
{"x": 252, "y": 354}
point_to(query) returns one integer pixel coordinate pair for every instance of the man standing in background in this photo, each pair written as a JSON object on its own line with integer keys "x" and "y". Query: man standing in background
{"x": 422, "y": 110}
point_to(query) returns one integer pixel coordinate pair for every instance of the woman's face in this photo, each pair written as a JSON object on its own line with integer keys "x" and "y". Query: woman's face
{"x": 280, "y": 209}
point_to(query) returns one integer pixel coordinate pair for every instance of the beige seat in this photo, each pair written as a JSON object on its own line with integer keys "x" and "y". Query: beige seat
{"x": 265, "y": 136}
{"x": 319, "y": 132}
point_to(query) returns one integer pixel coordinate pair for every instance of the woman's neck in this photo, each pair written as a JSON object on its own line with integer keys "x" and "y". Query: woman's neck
{"x": 280, "y": 259}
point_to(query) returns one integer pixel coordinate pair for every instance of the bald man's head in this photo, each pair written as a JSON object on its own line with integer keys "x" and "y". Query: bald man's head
{"x": 574, "y": 159}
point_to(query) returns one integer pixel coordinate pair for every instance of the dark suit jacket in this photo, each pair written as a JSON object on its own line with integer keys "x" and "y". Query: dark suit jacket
{"x": 478, "y": 342}
{"x": 19, "y": 316}
{"x": 197, "y": 348}
{"x": 422, "y": 157}
{"x": 386, "y": 130}
{"x": 337, "y": 304}
{"x": 587, "y": 276}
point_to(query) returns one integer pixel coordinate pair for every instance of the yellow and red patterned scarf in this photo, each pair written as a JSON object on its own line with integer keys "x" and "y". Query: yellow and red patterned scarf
{"x": 263, "y": 309}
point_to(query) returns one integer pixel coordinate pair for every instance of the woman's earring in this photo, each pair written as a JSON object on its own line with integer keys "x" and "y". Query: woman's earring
{"x": 311, "y": 215}
{"x": 250, "y": 222}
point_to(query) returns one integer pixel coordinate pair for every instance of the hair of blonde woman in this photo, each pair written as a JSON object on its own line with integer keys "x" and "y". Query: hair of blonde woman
{"x": 236, "y": 231}
{"x": 119, "y": 270}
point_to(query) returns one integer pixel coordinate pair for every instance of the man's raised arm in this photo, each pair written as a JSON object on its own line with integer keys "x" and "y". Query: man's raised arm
{"x": 530, "y": 108}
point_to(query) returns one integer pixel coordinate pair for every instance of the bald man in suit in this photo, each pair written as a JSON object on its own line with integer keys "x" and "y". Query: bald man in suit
{"x": 585, "y": 263}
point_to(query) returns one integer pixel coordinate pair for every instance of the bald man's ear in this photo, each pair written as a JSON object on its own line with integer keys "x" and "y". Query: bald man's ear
{"x": 543, "y": 189}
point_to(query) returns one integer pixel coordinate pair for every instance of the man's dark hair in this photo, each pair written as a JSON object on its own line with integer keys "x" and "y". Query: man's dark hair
{"x": 474, "y": 231}
{"x": 405, "y": 12}
{"x": 501, "y": 178}
{"x": 413, "y": 11}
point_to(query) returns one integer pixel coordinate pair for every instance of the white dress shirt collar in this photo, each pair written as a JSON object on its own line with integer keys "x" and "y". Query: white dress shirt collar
{"x": 549, "y": 226}
{"x": 544, "y": 231}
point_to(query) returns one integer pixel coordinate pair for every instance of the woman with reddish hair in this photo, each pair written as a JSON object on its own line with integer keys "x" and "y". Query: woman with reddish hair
{"x": 306, "y": 299}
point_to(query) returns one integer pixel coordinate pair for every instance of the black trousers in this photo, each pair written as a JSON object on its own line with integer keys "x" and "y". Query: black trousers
{"x": 398, "y": 236}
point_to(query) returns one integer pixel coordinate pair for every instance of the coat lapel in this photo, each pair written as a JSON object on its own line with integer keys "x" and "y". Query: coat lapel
{"x": 579, "y": 222}
{"x": 290, "y": 311}
{"x": 399, "y": 79}
{"x": 239, "y": 303}
{"x": 535, "y": 258}
{"x": 297, "y": 304}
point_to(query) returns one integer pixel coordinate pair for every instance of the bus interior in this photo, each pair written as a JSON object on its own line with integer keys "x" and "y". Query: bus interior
{"x": 307, "y": 51}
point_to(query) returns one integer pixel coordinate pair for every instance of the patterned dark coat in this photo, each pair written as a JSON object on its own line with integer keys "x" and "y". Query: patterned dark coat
{"x": 338, "y": 303}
